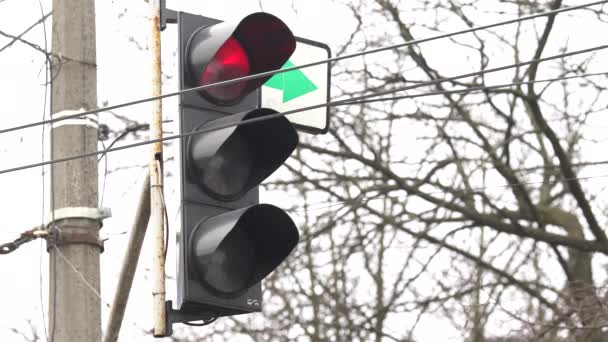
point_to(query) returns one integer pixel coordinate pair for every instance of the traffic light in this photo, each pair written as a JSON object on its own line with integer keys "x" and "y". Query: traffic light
{"x": 229, "y": 242}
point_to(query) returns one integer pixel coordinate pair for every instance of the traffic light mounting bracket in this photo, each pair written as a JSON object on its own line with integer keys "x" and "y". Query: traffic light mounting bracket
{"x": 167, "y": 16}
{"x": 176, "y": 316}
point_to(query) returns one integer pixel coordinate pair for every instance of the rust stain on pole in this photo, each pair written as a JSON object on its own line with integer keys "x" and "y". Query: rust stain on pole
{"x": 156, "y": 83}
{"x": 157, "y": 210}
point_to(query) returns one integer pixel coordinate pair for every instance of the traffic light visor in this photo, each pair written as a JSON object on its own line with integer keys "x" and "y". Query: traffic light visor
{"x": 235, "y": 250}
{"x": 260, "y": 42}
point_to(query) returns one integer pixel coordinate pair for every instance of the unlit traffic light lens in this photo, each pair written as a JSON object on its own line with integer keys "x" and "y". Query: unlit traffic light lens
{"x": 231, "y": 252}
{"x": 228, "y": 172}
{"x": 230, "y": 268}
{"x": 228, "y": 162}
{"x": 229, "y": 62}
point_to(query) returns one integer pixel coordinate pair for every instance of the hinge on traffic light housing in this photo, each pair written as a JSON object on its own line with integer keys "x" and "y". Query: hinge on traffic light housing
{"x": 166, "y": 15}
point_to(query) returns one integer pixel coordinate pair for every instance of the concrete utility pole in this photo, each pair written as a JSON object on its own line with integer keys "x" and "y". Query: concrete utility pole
{"x": 74, "y": 308}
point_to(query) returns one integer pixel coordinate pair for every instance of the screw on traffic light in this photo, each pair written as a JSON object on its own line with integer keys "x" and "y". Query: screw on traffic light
{"x": 229, "y": 242}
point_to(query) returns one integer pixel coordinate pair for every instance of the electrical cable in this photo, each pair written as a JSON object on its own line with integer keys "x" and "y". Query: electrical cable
{"x": 475, "y": 73}
{"x": 474, "y": 89}
{"x": 162, "y": 200}
{"x": 196, "y": 132}
{"x": 82, "y": 277}
{"x": 326, "y": 61}
{"x": 123, "y": 134}
{"x": 43, "y": 148}
{"x": 105, "y": 174}
{"x": 289, "y": 112}
{"x": 321, "y": 205}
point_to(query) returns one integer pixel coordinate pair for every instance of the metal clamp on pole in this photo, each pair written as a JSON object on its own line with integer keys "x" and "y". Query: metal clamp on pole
{"x": 73, "y": 234}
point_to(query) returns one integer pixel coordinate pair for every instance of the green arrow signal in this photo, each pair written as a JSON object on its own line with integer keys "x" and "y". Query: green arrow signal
{"x": 293, "y": 83}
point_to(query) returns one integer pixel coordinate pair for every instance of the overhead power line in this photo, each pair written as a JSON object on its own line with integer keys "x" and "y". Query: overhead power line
{"x": 475, "y": 73}
{"x": 326, "y": 61}
{"x": 473, "y": 89}
{"x": 276, "y": 115}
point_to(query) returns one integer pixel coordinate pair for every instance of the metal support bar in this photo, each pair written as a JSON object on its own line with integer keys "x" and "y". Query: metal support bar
{"x": 157, "y": 209}
{"x": 166, "y": 15}
{"x": 129, "y": 266}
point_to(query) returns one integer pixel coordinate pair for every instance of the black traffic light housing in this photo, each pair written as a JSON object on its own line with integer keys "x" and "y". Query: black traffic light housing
{"x": 229, "y": 242}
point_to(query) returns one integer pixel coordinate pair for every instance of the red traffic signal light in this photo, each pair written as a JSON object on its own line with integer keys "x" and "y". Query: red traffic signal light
{"x": 229, "y": 62}
{"x": 260, "y": 42}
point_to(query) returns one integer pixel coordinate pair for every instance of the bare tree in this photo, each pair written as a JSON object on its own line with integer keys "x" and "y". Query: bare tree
{"x": 468, "y": 207}
{"x": 31, "y": 335}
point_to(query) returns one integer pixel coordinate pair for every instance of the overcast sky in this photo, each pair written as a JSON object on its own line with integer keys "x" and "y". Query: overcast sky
{"x": 123, "y": 75}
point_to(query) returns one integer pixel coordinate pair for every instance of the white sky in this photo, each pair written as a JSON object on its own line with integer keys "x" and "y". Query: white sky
{"x": 123, "y": 75}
